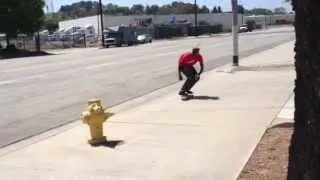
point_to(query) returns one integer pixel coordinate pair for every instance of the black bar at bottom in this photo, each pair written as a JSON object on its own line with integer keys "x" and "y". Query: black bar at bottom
{"x": 235, "y": 60}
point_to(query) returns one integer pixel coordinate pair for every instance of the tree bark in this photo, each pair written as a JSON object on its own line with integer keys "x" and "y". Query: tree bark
{"x": 8, "y": 40}
{"x": 38, "y": 48}
{"x": 304, "y": 153}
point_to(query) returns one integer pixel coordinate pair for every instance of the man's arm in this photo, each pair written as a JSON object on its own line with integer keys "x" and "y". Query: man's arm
{"x": 180, "y": 68}
{"x": 201, "y": 65}
{"x": 179, "y": 72}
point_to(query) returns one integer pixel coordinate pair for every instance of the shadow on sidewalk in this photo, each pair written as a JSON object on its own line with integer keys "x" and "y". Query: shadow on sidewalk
{"x": 111, "y": 144}
{"x": 271, "y": 67}
{"x": 283, "y": 125}
{"x": 205, "y": 98}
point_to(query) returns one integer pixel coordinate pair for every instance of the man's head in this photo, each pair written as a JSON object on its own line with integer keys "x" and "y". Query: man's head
{"x": 195, "y": 50}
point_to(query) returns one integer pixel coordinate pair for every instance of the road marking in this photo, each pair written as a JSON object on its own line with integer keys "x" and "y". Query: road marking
{"x": 165, "y": 45}
{"x": 36, "y": 66}
{"x": 7, "y": 82}
{"x": 13, "y": 81}
{"x": 131, "y": 60}
{"x": 206, "y": 47}
{"x": 41, "y": 76}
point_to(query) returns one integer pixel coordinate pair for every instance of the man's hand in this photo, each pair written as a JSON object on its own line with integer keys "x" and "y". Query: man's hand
{"x": 197, "y": 77}
{"x": 179, "y": 72}
{"x": 201, "y": 69}
{"x": 180, "y": 77}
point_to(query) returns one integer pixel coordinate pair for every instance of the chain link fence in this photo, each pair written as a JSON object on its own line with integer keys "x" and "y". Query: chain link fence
{"x": 51, "y": 42}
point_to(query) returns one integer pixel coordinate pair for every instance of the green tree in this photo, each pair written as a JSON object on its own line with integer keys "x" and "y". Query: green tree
{"x": 51, "y": 25}
{"x": 280, "y": 10}
{"x": 204, "y": 9}
{"x": 261, "y": 11}
{"x": 88, "y": 8}
{"x": 20, "y": 17}
{"x": 304, "y": 154}
{"x": 51, "y": 22}
{"x": 137, "y": 9}
{"x": 165, "y": 9}
{"x": 241, "y": 9}
{"x": 214, "y": 10}
{"x": 182, "y": 8}
{"x": 148, "y": 10}
{"x": 80, "y": 9}
{"x": 123, "y": 10}
{"x": 219, "y": 9}
{"x": 154, "y": 9}
{"x": 111, "y": 9}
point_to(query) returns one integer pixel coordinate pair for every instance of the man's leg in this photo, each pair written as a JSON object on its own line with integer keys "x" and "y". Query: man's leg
{"x": 187, "y": 71}
{"x": 186, "y": 85}
{"x": 193, "y": 79}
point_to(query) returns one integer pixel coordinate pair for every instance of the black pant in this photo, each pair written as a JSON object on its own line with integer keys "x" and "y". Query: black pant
{"x": 192, "y": 78}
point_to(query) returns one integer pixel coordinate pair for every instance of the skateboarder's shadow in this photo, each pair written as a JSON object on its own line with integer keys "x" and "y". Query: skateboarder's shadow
{"x": 205, "y": 98}
{"x": 111, "y": 144}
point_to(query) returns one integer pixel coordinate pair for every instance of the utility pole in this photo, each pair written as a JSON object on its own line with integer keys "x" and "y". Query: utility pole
{"x": 196, "y": 17}
{"x": 98, "y": 22}
{"x": 265, "y": 20}
{"x": 235, "y": 31}
{"x": 101, "y": 19}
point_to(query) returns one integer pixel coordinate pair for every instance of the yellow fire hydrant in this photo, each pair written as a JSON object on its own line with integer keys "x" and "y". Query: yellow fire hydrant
{"x": 95, "y": 116}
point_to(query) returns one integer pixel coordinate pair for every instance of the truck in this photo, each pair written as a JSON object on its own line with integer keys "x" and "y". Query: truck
{"x": 120, "y": 35}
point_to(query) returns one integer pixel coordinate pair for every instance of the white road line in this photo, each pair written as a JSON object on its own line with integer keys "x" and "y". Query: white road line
{"x": 116, "y": 53}
{"x": 13, "y": 81}
{"x": 145, "y": 57}
{"x": 45, "y": 75}
{"x": 36, "y": 66}
{"x": 131, "y": 60}
{"x": 7, "y": 82}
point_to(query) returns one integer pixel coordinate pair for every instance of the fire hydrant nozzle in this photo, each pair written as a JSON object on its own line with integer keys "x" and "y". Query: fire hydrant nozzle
{"x": 95, "y": 116}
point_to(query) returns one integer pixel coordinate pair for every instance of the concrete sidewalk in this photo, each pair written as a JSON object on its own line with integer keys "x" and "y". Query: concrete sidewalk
{"x": 167, "y": 139}
{"x": 286, "y": 115}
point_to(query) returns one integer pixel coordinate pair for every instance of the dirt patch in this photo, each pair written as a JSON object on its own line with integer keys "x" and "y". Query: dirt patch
{"x": 270, "y": 159}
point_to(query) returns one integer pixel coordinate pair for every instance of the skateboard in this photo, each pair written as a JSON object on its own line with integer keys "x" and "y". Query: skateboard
{"x": 187, "y": 97}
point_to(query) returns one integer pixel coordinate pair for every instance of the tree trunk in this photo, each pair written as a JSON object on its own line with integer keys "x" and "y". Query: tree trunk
{"x": 304, "y": 157}
{"x": 8, "y": 40}
{"x": 38, "y": 48}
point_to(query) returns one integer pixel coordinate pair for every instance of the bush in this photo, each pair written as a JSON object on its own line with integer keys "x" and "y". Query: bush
{"x": 217, "y": 28}
{"x": 11, "y": 47}
{"x": 204, "y": 23}
{"x": 205, "y": 29}
{"x": 282, "y": 22}
{"x": 251, "y": 25}
{"x": 168, "y": 31}
{"x": 178, "y": 30}
{"x": 258, "y": 26}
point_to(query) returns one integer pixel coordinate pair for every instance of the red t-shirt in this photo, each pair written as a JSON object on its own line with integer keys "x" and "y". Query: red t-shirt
{"x": 190, "y": 59}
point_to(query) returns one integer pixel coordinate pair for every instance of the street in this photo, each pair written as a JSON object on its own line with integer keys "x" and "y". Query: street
{"x": 41, "y": 93}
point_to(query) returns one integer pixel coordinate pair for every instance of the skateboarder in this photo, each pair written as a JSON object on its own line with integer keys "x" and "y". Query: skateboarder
{"x": 186, "y": 66}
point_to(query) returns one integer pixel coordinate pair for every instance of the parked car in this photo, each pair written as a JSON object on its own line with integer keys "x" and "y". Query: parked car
{"x": 243, "y": 28}
{"x": 144, "y": 38}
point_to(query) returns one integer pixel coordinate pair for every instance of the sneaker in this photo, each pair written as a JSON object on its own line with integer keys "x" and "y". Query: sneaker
{"x": 184, "y": 98}
{"x": 183, "y": 93}
{"x": 189, "y": 92}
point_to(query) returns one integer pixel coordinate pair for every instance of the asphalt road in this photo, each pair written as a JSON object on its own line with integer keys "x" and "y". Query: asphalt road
{"x": 41, "y": 93}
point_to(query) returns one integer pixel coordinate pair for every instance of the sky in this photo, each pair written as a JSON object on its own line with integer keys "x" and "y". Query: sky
{"x": 225, "y": 4}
